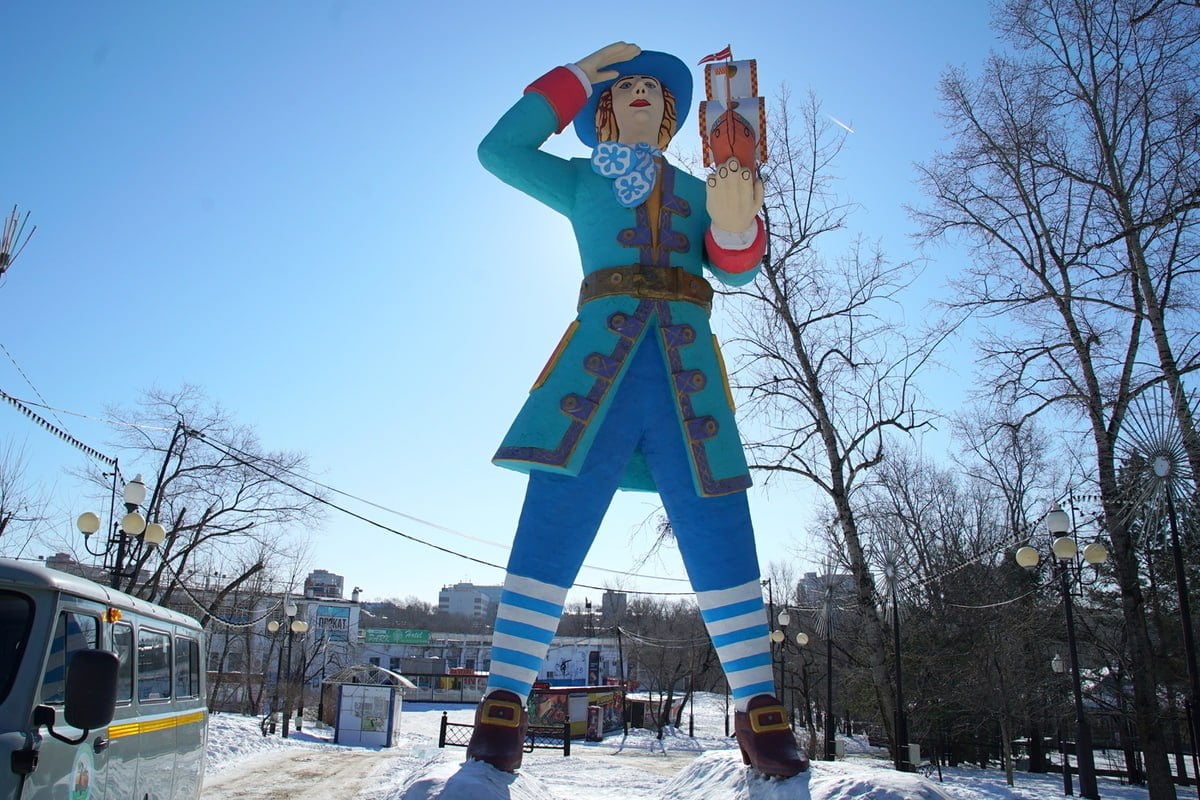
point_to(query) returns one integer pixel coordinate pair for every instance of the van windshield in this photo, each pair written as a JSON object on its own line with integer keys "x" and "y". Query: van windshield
{"x": 16, "y": 616}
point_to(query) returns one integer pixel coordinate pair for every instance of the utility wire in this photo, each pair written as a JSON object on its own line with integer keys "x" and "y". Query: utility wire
{"x": 435, "y": 525}
{"x": 245, "y": 458}
{"x": 212, "y": 614}
{"x": 655, "y": 642}
{"x": 993, "y": 605}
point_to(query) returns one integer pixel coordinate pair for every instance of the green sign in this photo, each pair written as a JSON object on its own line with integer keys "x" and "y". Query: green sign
{"x": 395, "y": 636}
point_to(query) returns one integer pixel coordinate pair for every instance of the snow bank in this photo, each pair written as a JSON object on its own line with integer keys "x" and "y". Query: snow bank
{"x": 243, "y": 764}
{"x": 445, "y": 778}
{"x": 235, "y": 737}
{"x": 838, "y": 781}
{"x": 723, "y": 776}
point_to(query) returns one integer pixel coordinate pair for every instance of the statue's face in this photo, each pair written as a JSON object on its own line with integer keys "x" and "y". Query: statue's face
{"x": 638, "y": 106}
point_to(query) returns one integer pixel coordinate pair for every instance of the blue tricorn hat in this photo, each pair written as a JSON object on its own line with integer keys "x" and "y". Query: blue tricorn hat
{"x": 669, "y": 70}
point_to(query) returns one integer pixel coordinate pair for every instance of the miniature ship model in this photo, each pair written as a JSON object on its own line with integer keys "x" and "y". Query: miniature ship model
{"x": 733, "y": 120}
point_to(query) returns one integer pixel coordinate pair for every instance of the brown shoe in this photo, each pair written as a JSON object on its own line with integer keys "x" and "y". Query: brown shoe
{"x": 499, "y": 735}
{"x": 766, "y": 741}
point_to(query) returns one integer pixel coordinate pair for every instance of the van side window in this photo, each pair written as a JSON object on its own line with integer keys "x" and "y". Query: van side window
{"x": 154, "y": 665}
{"x": 187, "y": 667}
{"x": 73, "y": 632}
{"x": 122, "y": 639}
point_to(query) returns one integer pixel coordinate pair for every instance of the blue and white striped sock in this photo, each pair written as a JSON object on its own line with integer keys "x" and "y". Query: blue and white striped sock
{"x": 526, "y": 621}
{"x": 737, "y": 622}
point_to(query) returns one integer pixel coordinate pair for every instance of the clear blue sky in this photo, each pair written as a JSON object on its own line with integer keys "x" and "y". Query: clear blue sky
{"x": 280, "y": 202}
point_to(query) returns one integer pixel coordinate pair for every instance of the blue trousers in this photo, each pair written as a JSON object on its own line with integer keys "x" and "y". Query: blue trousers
{"x": 562, "y": 514}
{"x": 561, "y": 518}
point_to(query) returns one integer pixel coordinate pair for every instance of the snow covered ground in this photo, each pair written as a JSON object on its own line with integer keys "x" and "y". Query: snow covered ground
{"x": 245, "y": 765}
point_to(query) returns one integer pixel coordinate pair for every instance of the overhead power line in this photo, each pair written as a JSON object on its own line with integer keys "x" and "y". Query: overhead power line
{"x": 242, "y": 458}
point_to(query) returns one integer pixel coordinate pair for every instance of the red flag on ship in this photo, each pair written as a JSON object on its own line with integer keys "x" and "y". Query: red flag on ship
{"x": 720, "y": 55}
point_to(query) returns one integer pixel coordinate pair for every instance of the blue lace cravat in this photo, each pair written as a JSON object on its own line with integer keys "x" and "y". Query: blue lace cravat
{"x": 632, "y": 169}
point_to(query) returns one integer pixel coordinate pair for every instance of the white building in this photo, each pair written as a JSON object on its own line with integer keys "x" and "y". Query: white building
{"x": 320, "y": 583}
{"x": 454, "y": 666}
{"x": 465, "y": 599}
{"x": 248, "y": 658}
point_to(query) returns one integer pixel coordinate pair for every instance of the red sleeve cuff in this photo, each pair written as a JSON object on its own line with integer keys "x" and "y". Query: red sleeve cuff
{"x": 737, "y": 261}
{"x": 563, "y": 91}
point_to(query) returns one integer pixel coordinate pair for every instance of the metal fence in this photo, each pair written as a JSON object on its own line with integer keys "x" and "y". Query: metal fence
{"x": 537, "y": 737}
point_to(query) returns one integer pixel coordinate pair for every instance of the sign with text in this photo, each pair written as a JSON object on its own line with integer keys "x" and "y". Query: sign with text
{"x": 333, "y": 622}
{"x": 395, "y": 636}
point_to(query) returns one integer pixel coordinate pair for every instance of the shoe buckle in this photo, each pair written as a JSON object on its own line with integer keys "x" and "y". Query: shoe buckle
{"x": 501, "y": 712}
{"x": 768, "y": 718}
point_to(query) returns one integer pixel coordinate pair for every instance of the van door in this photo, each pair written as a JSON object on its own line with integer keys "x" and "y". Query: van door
{"x": 121, "y": 775}
{"x": 22, "y": 647}
{"x": 64, "y": 770}
{"x": 156, "y": 739}
{"x": 191, "y": 728}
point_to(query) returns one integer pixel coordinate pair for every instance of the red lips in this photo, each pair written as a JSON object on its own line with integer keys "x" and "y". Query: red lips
{"x": 639, "y": 103}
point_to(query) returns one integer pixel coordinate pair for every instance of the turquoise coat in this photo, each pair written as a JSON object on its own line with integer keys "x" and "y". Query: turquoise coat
{"x": 569, "y": 400}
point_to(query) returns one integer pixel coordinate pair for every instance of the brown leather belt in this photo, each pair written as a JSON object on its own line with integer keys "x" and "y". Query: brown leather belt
{"x": 657, "y": 283}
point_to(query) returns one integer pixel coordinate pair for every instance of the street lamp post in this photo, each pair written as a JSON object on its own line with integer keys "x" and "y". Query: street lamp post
{"x": 273, "y": 626}
{"x": 1162, "y": 467}
{"x": 132, "y": 526}
{"x": 824, "y": 619}
{"x": 776, "y": 636}
{"x": 1066, "y": 557}
{"x": 830, "y": 735}
{"x": 802, "y": 639}
{"x": 901, "y": 755}
{"x": 779, "y": 637}
{"x": 294, "y": 626}
{"x": 827, "y": 612}
{"x": 779, "y": 642}
{"x": 1057, "y": 666}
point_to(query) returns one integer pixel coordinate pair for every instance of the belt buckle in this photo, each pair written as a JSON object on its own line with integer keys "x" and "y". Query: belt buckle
{"x": 658, "y": 279}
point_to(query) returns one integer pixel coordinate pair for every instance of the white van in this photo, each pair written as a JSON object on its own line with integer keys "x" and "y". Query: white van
{"x": 102, "y": 695}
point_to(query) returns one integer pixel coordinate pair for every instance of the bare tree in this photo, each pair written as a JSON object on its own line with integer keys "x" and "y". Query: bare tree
{"x": 973, "y": 621}
{"x": 1073, "y": 179}
{"x": 1124, "y": 75}
{"x": 411, "y": 612}
{"x": 671, "y": 652}
{"x": 1007, "y": 455}
{"x": 21, "y": 509}
{"x": 829, "y": 364}
{"x": 229, "y": 507}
